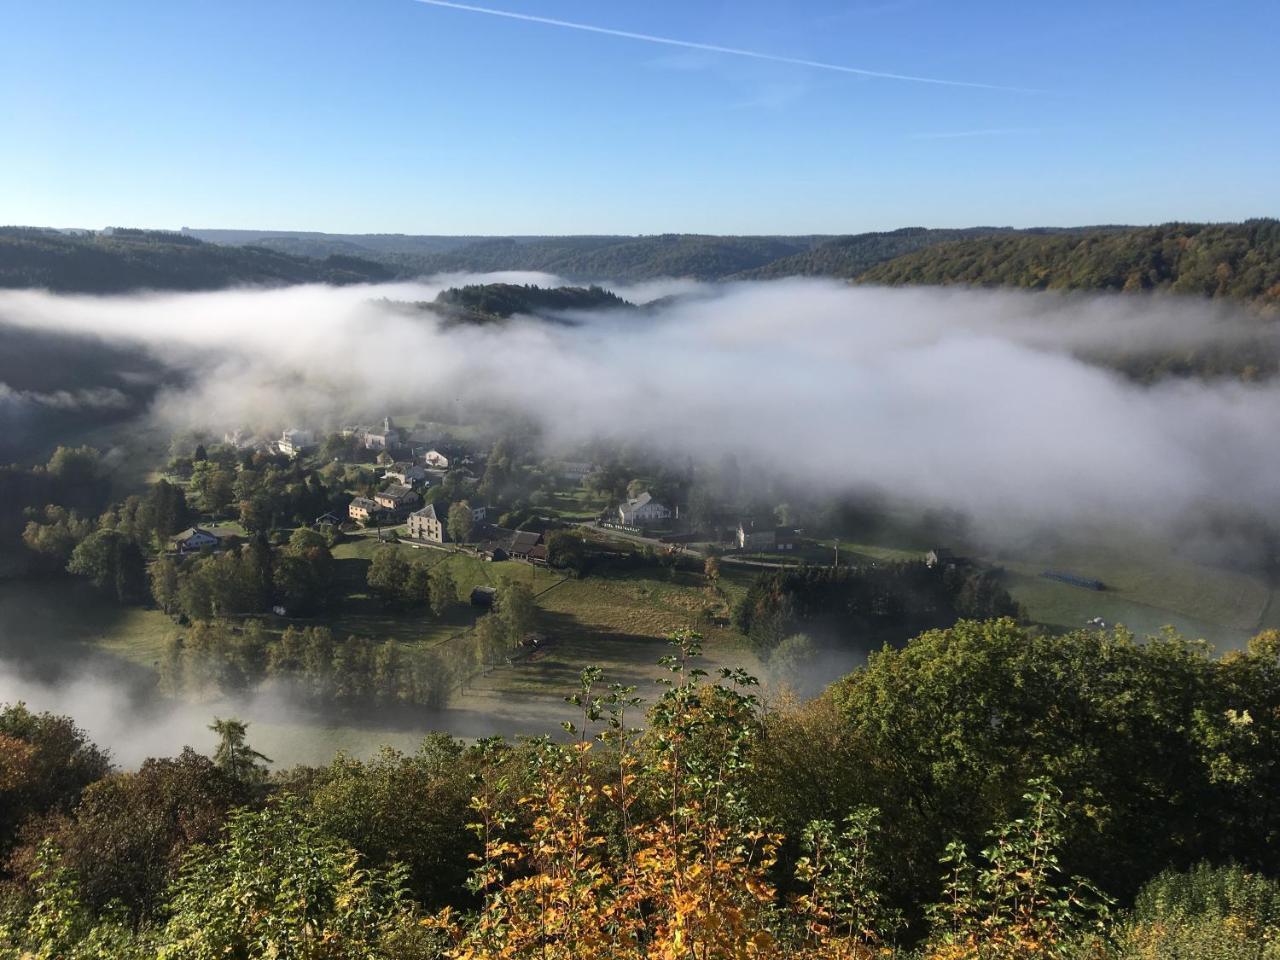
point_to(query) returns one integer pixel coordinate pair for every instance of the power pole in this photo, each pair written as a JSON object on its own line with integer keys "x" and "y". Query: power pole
{"x": 836, "y": 565}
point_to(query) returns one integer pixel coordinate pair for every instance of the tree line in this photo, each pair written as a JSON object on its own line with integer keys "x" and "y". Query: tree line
{"x": 1236, "y": 260}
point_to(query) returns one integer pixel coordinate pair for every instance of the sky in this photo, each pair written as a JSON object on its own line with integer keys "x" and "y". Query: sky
{"x": 369, "y": 116}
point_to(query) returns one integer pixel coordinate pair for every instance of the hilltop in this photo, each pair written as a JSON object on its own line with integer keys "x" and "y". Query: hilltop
{"x": 1241, "y": 261}
{"x": 124, "y": 260}
{"x": 494, "y": 302}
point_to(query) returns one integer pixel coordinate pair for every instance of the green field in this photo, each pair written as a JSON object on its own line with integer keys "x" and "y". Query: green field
{"x": 1147, "y": 587}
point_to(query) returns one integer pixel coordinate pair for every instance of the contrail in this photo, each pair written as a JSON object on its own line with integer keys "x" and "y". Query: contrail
{"x": 713, "y": 48}
{"x": 956, "y": 134}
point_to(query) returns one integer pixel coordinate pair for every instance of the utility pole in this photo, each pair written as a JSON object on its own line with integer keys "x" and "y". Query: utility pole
{"x": 836, "y": 565}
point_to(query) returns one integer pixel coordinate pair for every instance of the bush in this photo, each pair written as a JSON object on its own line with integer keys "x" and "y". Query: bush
{"x": 1207, "y": 913}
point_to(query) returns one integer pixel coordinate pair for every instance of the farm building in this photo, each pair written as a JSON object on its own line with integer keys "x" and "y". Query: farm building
{"x": 195, "y": 539}
{"x": 523, "y": 542}
{"x": 642, "y": 511}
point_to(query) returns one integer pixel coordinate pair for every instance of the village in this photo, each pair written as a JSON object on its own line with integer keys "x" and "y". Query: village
{"x": 409, "y": 502}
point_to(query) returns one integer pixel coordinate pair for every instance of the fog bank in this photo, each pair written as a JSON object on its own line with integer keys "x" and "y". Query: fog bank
{"x": 977, "y": 401}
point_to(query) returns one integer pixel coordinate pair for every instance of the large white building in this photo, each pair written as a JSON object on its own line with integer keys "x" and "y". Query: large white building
{"x": 294, "y": 442}
{"x": 643, "y": 510}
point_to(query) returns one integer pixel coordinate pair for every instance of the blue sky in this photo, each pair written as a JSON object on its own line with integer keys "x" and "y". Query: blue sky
{"x": 395, "y": 116}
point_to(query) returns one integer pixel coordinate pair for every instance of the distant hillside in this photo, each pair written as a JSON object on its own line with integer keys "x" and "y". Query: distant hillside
{"x": 1225, "y": 260}
{"x": 495, "y": 302}
{"x": 1214, "y": 260}
{"x": 320, "y": 245}
{"x": 618, "y": 258}
{"x": 140, "y": 259}
{"x": 851, "y": 256}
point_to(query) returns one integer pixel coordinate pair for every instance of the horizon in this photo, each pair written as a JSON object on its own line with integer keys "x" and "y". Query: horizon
{"x": 521, "y": 118}
{"x": 287, "y": 231}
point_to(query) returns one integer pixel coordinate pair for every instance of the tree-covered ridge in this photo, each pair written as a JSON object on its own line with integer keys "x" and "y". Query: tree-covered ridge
{"x": 621, "y": 258}
{"x": 848, "y": 257}
{"x": 495, "y": 302}
{"x": 1240, "y": 261}
{"x": 574, "y": 257}
{"x": 127, "y": 260}
{"x": 508, "y": 299}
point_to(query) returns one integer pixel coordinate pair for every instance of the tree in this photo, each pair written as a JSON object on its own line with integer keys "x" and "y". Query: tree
{"x": 164, "y": 578}
{"x": 490, "y": 640}
{"x": 516, "y": 610}
{"x": 711, "y": 568}
{"x": 112, "y": 563}
{"x": 964, "y": 717}
{"x": 304, "y": 572}
{"x": 792, "y": 663}
{"x": 444, "y": 591}
{"x": 461, "y": 523}
{"x": 213, "y": 486}
{"x": 387, "y": 573}
{"x": 56, "y": 535}
{"x": 412, "y": 809}
{"x": 130, "y": 830}
{"x": 75, "y": 468}
{"x": 45, "y": 763}
{"x": 255, "y": 514}
{"x": 233, "y": 755}
{"x": 566, "y": 550}
{"x": 1016, "y": 904}
{"x": 416, "y": 590}
{"x": 277, "y": 886}
{"x": 169, "y": 510}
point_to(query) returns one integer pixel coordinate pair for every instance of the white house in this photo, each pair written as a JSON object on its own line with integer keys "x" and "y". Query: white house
{"x": 434, "y": 458}
{"x": 294, "y": 442}
{"x": 195, "y": 539}
{"x": 643, "y": 510}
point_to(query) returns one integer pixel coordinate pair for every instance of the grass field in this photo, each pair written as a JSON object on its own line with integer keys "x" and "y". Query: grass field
{"x": 1147, "y": 587}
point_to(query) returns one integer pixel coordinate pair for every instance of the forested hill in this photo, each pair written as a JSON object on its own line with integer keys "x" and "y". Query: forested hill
{"x": 1224, "y": 260}
{"x": 848, "y": 257}
{"x": 583, "y": 258}
{"x": 495, "y": 302}
{"x": 1215, "y": 260}
{"x": 151, "y": 260}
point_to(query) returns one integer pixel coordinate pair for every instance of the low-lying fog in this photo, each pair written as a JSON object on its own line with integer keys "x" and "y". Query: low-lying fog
{"x": 973, "y": 400}
{"x": 977, "y": 401}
